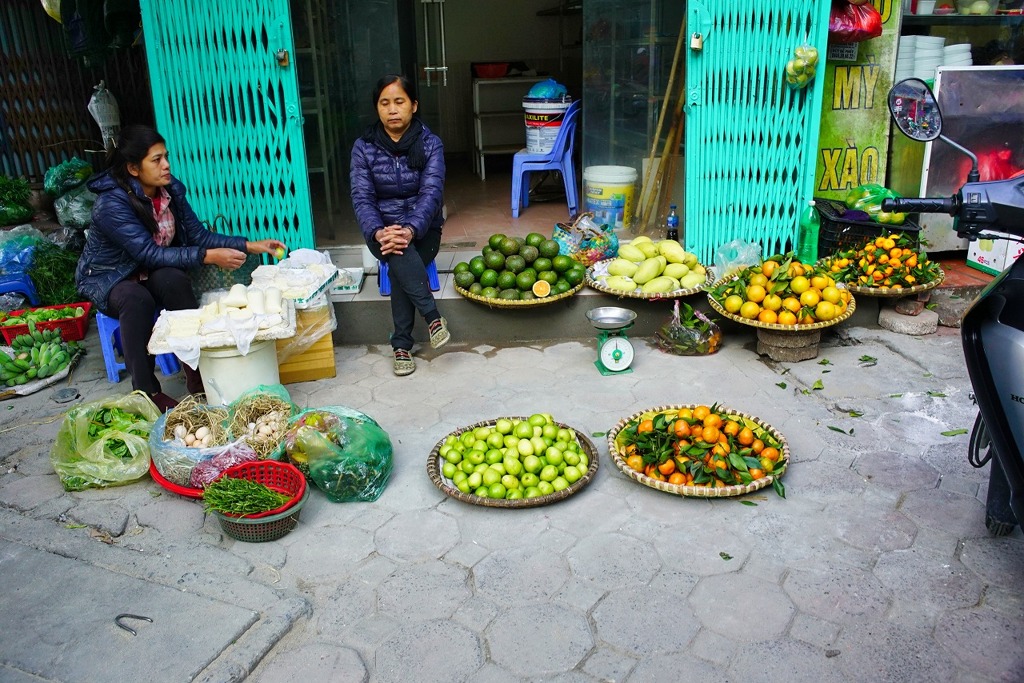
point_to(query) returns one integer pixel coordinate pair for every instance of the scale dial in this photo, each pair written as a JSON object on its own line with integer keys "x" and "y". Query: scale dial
{"x": 616, "y": 353}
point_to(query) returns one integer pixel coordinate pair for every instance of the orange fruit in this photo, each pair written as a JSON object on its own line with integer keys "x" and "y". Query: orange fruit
{"x": 645, "y": 426}
{"x": 769, "y": 267}
{"x": 677, "y": 478}
{"x": 700, "y": 412}
{"x": 771, "y": 453}
{"x": 757, "y": 445}
{"x": 769, "y": 317}
{"x": 712, "y": 420}
{"x": 786, "y": 318}
{"x": 681, "y": 428}
{"x": 667, "y": 467}
{"x": 819, "y": 282}
{"x": 731, "y": 427}
{"x": 810, "y": 297}
{"x": 756, "y": 473}
{"x": 799, "y": 285}
{"x": 635, "y": 462}
{"x": 756, "y": 293}
{"x": 773, "y": 302}
{"x": 758, "y": 279}
{"x": 710, "y": 433}
{"x": 791, "y": 304}
{"x": 541, "y": 288}
{"x": 745, "y": 436}
{"x": 749, "y": 310}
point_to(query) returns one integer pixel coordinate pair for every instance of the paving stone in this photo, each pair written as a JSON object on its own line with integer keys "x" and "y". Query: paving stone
{"x": 466, "y": 554}
{"x": 107, "y": 517}
{"x": 490, "y": 528}
{"x": 492, "y": 673}
{"x": 924, "y": 323}
{"x": 802, "y": 663}
{"x": 369, "y": 634}
{"x": 426, "y": 590}
{"x": 476, "y": 613}
{"x": 371, "y": 519}
{"x": 315, "y": 661}
{"x": 325, "y": 549}
{"x": 346, "y": 605}
{"x": 898, "y": 654}
{"x": 1006, "y": 600}
{"x": 374, "y": 569}
{"x": 699, "y": 550}
{"x": 713, "y": 647}
{"x": 32, "y": 459}
{"x": 929, "y": 577}
{"x": 521, "y": 575}
{"x": 631, "y": 621}
{"x": 581, "y": 594}
{"x": 673, "y": 582}
{"x": 614, "y": 561}
{"x": 902, "y": 471}
{"x": 984, "y": 625}
{"x": 996, "y": 560}
{"x": 609, "y": 665}
{"x": 437, "y": 650}
{"x": 839, "y": 594}
{"x": 175, "y": 515}
{"x": 945, "y": 511}
{"x": 713, "y": 601}
{"x": 556, "y": 540}
{"x": 957, "y": 484}
{"x": 672, "y": 669}
{"x": 414, "y": 536}
{"x": 814, "y": 631}
{"x": 824, "y": 482}
{"x": 602, "y": 511}
{"x": 25, "y": 493}
{"x": 875, "y": 526}
{"x": 536, "y": 640}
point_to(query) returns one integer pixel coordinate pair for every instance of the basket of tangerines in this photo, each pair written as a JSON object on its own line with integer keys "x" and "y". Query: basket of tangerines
{"x": 698, "y": 450}
{"x": 889, "y": 266}
{"x": 783, "y": 294}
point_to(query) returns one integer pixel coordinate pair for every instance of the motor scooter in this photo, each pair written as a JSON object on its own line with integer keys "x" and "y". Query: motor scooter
{"x": 992, "y": 329}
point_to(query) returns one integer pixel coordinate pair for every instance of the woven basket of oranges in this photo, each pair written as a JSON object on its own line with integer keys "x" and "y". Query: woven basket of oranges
{"x": 783, "y": 294}
{"x": 885, "y": 266}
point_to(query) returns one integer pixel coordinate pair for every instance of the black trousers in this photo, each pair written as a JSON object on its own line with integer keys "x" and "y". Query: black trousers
{"x": 135, "y": 305}
{"x": 410, "y": 291}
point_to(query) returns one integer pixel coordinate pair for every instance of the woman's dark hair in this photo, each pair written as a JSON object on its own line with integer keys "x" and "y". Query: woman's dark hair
{"x": 132, "y": 145}
{"x": 407, "y": 85}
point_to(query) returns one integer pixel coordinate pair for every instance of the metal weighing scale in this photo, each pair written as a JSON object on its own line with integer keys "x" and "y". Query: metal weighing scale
{"x": 614, "y": 351}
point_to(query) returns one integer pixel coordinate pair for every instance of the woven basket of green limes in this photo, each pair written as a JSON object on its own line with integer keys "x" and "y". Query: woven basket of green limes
{"x": 515, "y": 272}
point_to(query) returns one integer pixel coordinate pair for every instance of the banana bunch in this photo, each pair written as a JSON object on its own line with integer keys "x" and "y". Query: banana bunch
{"x": 37, "y": 355}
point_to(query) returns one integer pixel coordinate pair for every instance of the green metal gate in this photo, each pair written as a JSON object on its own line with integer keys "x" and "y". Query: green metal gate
{"x": 226, "y": 99}
{"x": 751, "y": 140}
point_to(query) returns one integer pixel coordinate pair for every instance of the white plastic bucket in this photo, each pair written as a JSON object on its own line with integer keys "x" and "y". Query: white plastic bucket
{"x": 610, "y": 193}
{"x": 543, "y": 121}
{"x": 227, "y": 374}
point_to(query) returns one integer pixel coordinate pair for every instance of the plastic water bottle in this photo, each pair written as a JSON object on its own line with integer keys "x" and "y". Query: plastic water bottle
{"x": 809, "y": 224}
{"x": 672, "y": 224}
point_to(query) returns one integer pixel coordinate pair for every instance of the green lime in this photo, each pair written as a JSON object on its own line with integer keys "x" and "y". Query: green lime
{"x": 534, "y": 239}
{"x": 542, "y": 263}
{"x": 548, "y": 248}
{"x": 510, "y": 294}
{"x": 531, "y": 492}
{"x": 464, "y": 280}
{"x": 495, "y": 240}
{"x": 575, "y": 275}
{"x": 548, "y": 276}
{"x": 494, "y": 260}
{"x": 489, "y": 293}
{"x": 529, "y": 253}
{"x": 482, "y": 492}
{"x": 561, "y": 287}
{"x": 561, "y": 263}
{"x": 486, "y": 250}
{"x": 508, "y": 246}
{"x": 514, "y": 494}
{"x": 497, "y": 491}
{"x": 476, "y": 265}
{"x": 527, "y": 295}
{"x": 515, "y": 263}
{"x": 525, "y": 280}
{"x": 462, "y": 267}
{"x": 476, "y": 288}
{"x": 488, "y": 278}
{"x": 506, "y": 280}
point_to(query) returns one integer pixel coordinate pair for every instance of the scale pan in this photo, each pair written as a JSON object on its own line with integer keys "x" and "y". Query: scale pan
{"x": 610, "y": 317}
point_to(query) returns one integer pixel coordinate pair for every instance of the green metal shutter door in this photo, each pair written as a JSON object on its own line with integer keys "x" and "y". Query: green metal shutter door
{"x": 751, "y": 140}
{"x": 231, "y": 114}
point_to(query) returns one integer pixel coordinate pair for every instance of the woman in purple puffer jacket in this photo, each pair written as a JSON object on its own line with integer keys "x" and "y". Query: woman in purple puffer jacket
{"x": 397, "y": 193}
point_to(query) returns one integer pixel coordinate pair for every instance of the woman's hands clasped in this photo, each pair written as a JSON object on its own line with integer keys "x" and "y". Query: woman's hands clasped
{"x": 394, "y": 239}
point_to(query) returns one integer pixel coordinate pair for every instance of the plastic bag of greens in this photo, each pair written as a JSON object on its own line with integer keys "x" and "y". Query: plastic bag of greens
{"x": 344, "y": 452}
{"x": 868, "y": 198}
{"x": 14, "y": 201}
{"x": 66, "y": 176}
{"x": 74, "y": 208}
{"x": 105, "y": 442}
{"x": 689, "y": 333}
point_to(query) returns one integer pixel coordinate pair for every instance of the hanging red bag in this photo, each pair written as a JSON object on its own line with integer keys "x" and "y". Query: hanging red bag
{"x": 853, "y": 23}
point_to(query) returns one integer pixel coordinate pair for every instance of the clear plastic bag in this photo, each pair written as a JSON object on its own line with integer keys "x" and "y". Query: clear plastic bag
{"x": 311, "y": 324}
{"x": 868, "y": 198}
{"x": 344, "y": 452}
{"x": 74, "y": 208}
{"x": 689, "y": 332}
{"x": 105, "y": 442}
{"x": 208, "y": 471}
{"x": 736, "y": 255}
{"x": 16, "y": 248}
{"x": 267, "y": 404}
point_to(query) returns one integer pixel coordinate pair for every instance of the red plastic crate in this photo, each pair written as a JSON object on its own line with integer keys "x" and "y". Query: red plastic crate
{"x": 71, "y": 329}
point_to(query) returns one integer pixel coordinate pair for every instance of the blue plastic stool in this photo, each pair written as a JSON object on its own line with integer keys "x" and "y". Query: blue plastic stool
{"x": 19, "y": 282}
{"x": 384, "y": 280}
{"x": 110, "y": 341}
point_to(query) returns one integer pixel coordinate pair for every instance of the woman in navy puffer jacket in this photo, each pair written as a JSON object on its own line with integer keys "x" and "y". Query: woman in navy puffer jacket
{"x": 143, "y": 237}
{"x": 397, "y": 192}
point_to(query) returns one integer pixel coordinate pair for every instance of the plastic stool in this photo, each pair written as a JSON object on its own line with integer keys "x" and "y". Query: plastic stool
{"x": 110, "y": 341}
{"x": 384, "y": 280}
{"x": 19, "y": 282}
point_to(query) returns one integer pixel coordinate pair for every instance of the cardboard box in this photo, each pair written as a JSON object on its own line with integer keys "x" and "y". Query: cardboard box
{"x": 316, "y": 361}
{"x": 993, "y": 256}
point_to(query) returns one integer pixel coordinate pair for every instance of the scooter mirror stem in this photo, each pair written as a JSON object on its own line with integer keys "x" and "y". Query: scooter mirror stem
{"x": 972, "y": 176}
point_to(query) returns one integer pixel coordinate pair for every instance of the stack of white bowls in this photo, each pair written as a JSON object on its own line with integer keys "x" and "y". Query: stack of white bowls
{"x": 929, "y": 53}
{"x": 905, "y": 58}
{"x": 957, "y": 55}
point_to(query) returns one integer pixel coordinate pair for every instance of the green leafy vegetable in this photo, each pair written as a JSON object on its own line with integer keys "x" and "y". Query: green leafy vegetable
{"x": 817, "y": 385}
{"x": 856, "y": 413}
{"x": 868, "y": 361}
{"x": 954, "y": 432}
{"x": 780, "y": 385}
{"x": 841, "y": 431}
{"x": 236, "y": 496}
{"x": 936, "y": 394}
{"x": 53, "y": 273}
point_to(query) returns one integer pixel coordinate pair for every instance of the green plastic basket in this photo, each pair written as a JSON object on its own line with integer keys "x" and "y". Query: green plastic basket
{"x": 262, "y": 529}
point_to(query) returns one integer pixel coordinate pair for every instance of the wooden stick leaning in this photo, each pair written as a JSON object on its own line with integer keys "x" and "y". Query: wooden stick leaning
{"x": 670, "y": 144}
{"x": 673, "y": 164}
{"x": 664, "y": 105}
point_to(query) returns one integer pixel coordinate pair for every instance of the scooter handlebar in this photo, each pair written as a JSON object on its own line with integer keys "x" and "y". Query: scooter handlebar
{"x": 920, "y": 205}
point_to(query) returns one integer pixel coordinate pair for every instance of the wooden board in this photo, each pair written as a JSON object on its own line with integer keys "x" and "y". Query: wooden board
{"x": 316, "y": 362}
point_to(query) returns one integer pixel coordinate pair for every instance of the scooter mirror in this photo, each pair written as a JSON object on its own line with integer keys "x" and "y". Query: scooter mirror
{"x": 915, "y": 110}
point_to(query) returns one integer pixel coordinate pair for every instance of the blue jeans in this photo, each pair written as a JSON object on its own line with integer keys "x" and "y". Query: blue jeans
{"x": 410, "y": 291}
